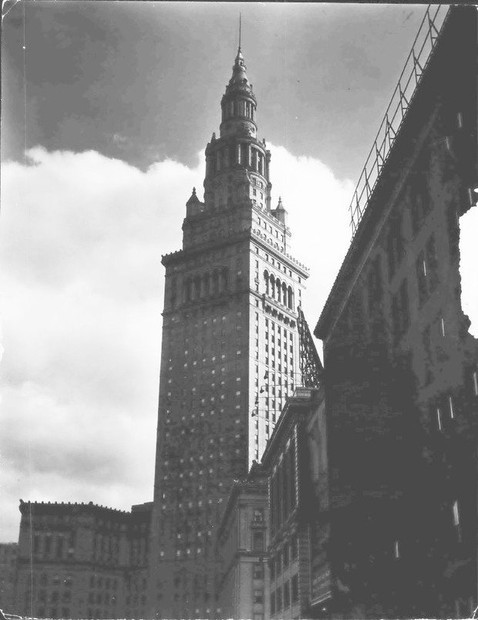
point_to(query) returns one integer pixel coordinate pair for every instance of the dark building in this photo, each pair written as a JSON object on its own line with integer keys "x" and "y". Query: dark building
{"x": 82, "y": 561}
{"x": 401, "y": 390}
{"x": 229, "y": 354}
{"x": 8, "y": 566}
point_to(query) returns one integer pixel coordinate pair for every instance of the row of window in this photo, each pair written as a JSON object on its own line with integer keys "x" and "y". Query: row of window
{"x": 243, "y": 154}
{"x": 283, "y": 557}
{"x": 58, "y": 546}
{"x": 285, "y": 595}
{"x": 238, "y": 107}
{"x": 278, "y": 234}
{"x": 283, "y": 488}
{"x": 54, "y": 596}
{"x": 201, "y": 286}
{"x": 64, "y": 612}
{"x": 278, "y": 290}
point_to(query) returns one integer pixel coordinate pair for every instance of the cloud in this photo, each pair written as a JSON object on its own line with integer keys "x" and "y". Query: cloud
{"x": 316, "y": 201}
{"x": 80, "y": 246}
{"x": 469, "y": 281}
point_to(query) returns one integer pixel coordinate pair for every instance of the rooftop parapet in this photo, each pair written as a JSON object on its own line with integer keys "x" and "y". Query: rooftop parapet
{"x": 410, "y": 77}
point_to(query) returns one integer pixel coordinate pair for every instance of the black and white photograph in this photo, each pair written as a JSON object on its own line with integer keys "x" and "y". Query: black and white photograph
{"x": 239, "y": 310}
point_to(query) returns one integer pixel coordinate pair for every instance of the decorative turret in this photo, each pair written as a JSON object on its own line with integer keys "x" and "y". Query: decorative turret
{"x": 280, "y": 212}
{"x": 194, "y": 205}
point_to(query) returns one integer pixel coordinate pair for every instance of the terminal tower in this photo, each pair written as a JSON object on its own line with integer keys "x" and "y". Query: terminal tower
{"x": 230, "y": 354}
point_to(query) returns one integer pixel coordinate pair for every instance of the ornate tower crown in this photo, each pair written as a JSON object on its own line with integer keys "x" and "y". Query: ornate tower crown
{"x": 237, "y": 164}
{"x": 238, "y": 102}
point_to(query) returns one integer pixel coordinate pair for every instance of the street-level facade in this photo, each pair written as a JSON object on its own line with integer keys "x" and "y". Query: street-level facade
{"x": 242, "y": 541}
{"x": 296, "y": 463}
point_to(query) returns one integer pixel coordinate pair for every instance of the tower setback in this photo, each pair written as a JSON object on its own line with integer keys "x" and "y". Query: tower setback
{"x": 230, "y": 354}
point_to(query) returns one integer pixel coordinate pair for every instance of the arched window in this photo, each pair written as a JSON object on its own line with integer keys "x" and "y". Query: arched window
{"x": 224, "y": 279}
{"x": 215, "y": 283}
{"x": 284, "y": 294}
{"x": 290, "y": 298}
{"x": 187, "y": 290}
{"x": 266, "y": 278}
{"x": 273, "y": 286}
{"x": 278, "y": 289}
{"x": 197, "y": 288}
{"x": 254, "y": 159}
{"x": 206, "y": 285}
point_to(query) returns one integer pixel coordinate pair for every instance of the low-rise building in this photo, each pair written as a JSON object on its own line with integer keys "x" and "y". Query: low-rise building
{"x": 81, "y": 560}
{"x": 241, "y": 547}
{"x": 296, "y": 462}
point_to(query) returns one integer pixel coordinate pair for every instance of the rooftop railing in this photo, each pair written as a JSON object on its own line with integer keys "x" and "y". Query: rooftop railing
{"x": 408, "y": 81}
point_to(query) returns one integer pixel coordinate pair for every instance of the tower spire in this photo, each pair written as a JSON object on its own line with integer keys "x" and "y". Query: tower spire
{"x": 240, "y": 32}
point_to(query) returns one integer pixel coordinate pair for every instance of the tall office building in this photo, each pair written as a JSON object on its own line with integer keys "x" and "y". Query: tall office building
{"x": 230, "y": 353}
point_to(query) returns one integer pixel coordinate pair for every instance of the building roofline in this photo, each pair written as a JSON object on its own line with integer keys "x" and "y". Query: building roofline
{"x": 51, "y": 507}
{"x": 452, "y": 28}
{"x": 300, "y": 401}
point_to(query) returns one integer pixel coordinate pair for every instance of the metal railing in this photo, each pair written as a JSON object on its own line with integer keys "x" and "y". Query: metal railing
{"x": 408, "y": 81}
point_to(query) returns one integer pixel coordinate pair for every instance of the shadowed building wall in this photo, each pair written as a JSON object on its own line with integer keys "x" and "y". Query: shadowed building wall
{"x": 401, "y": 367}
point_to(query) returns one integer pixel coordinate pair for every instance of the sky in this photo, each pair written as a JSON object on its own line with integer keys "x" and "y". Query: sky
{"x": 107, "y": 109}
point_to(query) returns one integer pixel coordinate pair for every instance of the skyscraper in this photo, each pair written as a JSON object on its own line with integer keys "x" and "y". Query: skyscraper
{"x": 230, "y": 353}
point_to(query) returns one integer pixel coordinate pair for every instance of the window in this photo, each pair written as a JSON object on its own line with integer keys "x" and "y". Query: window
{"x": 258, "y": 571}
{"x": 273, "y": 603}
{"x": 426, "y": 268}
{"x": 258, "y": 541}
{"x": 295, "y": 588}
{"x": 286, "y": 595}
{"x": 278, "y": 564}
{"x": 258, "y": 596}
{"x": 279, "y": 598}
{"x": 439, "y": 424}
{"x": 285, "y": 555}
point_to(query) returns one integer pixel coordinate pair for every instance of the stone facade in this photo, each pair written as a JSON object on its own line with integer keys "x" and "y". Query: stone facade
{"x": 82, "y": 561}
{"x": 241, "y": 546}
{"x": 401, "y": 367}
{"x": 8, "y": 567}
{"x": 229, "y": 354}
{"x": 296, "y": 463}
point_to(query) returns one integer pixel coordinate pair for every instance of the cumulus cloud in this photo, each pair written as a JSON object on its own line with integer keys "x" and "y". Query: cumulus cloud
{"x": 317, "y": 204}
{"x": 469, "y": 281}
{"x": 80, "y": 245}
